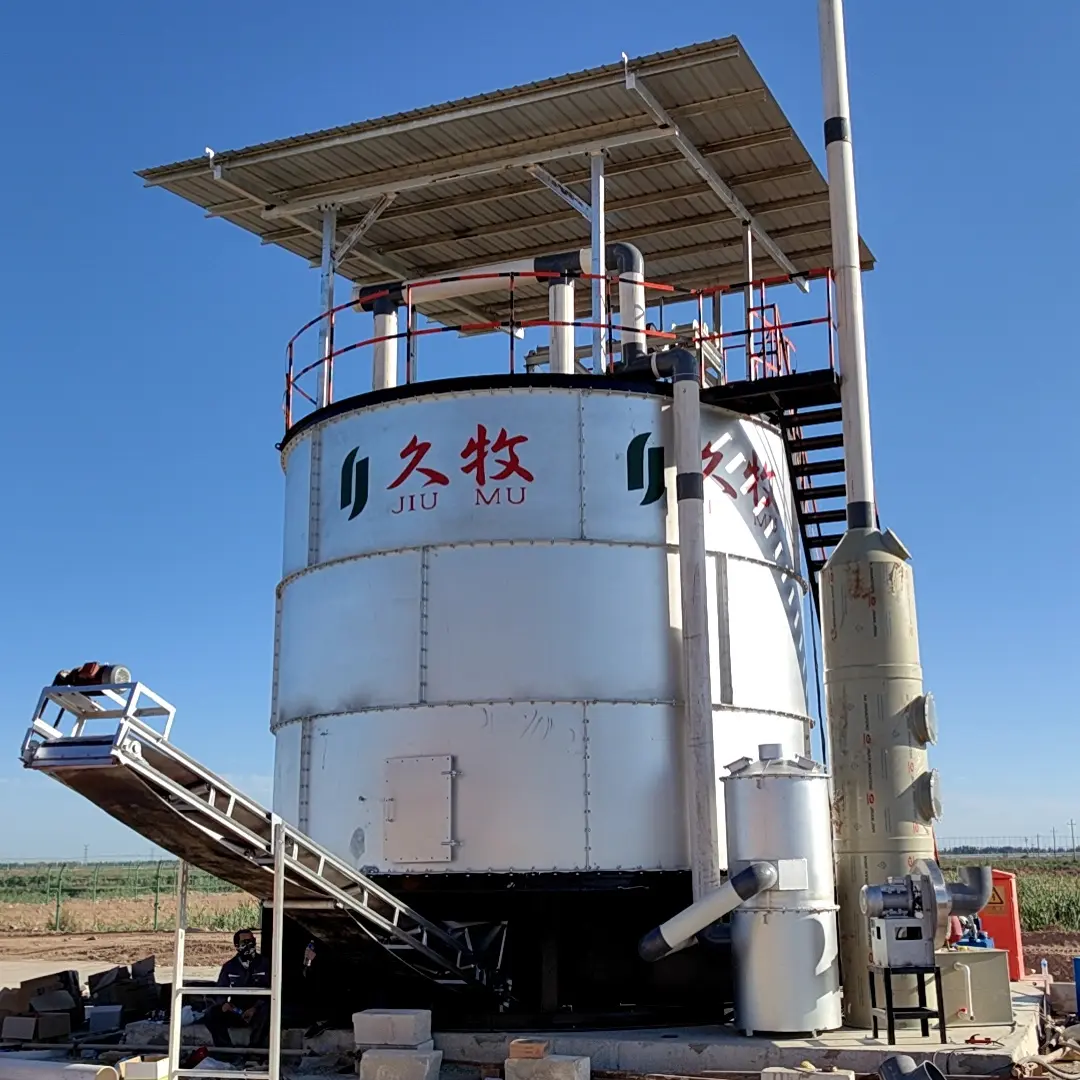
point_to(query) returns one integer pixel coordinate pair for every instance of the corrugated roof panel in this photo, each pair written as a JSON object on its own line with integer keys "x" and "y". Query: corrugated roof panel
{"x": 490, "y": 210}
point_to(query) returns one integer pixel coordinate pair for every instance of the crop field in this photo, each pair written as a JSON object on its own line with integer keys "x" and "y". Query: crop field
{"x": 1049, "y": 888}
{"x": 82, "y": 897}
{"x": 72, "y": 897}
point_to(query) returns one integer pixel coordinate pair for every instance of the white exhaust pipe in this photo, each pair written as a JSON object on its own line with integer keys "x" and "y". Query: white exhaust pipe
{"x": 623, "y": 258}
{"x": 678, "y": 931}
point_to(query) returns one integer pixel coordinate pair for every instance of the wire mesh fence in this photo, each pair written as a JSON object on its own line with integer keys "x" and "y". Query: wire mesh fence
{"x": 90, "y": 896}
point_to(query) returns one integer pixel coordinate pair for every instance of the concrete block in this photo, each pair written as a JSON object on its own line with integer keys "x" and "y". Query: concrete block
{"x": 52, "y": 1026}
{"x": 391, "y": 1027}
{"x": 363, "y": 1048}
{"x": 387, "y": 1064}
{"x": 552, "y": 1067}
{"x": 19, "y": 1027}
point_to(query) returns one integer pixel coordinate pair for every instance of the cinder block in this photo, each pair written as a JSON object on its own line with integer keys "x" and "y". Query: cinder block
{"x": 386, "y": 1064}
{"x": 392, "y": 1027}
{"x": 552, "y": 1067}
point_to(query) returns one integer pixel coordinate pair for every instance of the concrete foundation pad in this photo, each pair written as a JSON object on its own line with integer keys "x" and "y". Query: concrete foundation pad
{"x": 694, "y": 1051}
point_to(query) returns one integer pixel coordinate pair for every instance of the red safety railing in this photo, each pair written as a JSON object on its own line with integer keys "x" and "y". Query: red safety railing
{"x": 763, "y": 339}
{"x": 764, "y": 342}
{"x": 411, "y": 333}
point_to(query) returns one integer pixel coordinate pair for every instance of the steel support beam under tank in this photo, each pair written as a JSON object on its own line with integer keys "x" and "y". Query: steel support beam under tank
{"x": 879, "y": 721}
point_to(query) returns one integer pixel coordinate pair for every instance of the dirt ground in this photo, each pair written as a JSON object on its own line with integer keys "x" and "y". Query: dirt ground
{"x": 203, "y": 947}
{"x": 1056, "y": 947}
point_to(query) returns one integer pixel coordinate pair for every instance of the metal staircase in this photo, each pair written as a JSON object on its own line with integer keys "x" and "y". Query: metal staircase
{"x": 135, "y": 774}
{"x": 806, "y": 408}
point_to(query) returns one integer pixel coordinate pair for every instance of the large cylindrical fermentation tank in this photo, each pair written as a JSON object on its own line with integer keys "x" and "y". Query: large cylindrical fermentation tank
{"x": 477, "y": 646}
{"x": 477, "y": 652}
{"x": 784, "y": 940}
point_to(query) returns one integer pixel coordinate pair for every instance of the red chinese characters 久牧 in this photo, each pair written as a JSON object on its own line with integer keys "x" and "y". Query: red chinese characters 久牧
{"x": 478, "y": 448}
{"x": 710, "y": 459}
{"x": 418, "y": 450}
{"x": 759, "y": 476}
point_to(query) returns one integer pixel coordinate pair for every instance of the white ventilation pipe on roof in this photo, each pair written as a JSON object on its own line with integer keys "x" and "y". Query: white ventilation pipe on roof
{"x": 384, "y": 362}
{"x": 561, "y": 314}
{"x": 624, "y": 258}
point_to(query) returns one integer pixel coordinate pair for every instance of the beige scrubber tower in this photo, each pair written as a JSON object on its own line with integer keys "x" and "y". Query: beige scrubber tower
{"x": 880, "y": 721}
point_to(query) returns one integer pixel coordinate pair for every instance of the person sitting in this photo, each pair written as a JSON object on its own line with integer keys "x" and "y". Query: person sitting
{"x": 247, "y": 968}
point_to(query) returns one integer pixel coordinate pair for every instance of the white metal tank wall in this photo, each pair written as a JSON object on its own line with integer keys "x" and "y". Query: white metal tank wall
{"x": 478, "y": 677}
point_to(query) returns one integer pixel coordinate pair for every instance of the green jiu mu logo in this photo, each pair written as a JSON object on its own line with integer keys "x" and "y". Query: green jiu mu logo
{"x": 354, "y": 482}
{"x": 638, "y": 463}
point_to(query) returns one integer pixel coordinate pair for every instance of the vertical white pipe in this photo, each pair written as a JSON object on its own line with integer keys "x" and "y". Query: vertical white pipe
{"x": 384, "y": 361}
{"x": 632, "y": 312}
{"x": 326, "y": 298}
{"x": 278, "y": 935}
{"x": 561, "y": 313}
{"x": 176, "y": 1005}
{"x": 855, "y": 399}
{"x": 599, "y": 268}
{"x": 697, "y": 682}
{"x": 748, "y": 294}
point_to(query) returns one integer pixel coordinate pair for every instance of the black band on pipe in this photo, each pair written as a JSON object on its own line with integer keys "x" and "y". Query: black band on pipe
{"x": 860, "y": 515}
{"x": 752, "y": 879}
{"x": 837, "y": 129}
{"x": 689, "y": 485}
{"x": 653, "y": 947}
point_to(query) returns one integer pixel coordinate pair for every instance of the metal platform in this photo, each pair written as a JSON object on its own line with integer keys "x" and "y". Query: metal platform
{"x": 135, "y": 774}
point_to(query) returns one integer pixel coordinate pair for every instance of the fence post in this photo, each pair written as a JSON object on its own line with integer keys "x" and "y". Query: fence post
{"x": 93, "y": 895}
{"x": 157, "y": 893}
{"x": 48, "y": 882}
{"x": 59, "y": 895}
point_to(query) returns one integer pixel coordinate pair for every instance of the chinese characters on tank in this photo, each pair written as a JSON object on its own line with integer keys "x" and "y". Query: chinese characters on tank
{"x": 492, "y": 466}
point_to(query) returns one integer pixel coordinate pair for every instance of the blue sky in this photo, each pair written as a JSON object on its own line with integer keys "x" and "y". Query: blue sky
{"x": 143, "y": 345}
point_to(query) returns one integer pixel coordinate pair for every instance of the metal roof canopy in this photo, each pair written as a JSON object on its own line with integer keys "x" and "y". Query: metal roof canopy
{"x": 694, "y": 144}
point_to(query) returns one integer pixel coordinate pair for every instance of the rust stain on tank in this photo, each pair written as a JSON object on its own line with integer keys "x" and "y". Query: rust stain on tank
{"x": 857, "y": 588}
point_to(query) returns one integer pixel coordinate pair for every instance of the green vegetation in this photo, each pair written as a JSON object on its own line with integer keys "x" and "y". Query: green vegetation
{"x": 1049, "y": 888}
{"x": 115, "y": 896}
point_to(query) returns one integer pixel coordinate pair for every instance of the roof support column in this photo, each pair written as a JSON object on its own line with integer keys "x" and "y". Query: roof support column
{"x": 748, "y": 294}
{"x": 326, "y": 295}
{"x": 599, "y": 265}
{"x": 855, "y": 397}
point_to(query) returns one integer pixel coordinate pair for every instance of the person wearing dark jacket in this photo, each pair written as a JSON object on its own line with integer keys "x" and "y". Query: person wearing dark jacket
{"x": 247, "y": 968}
